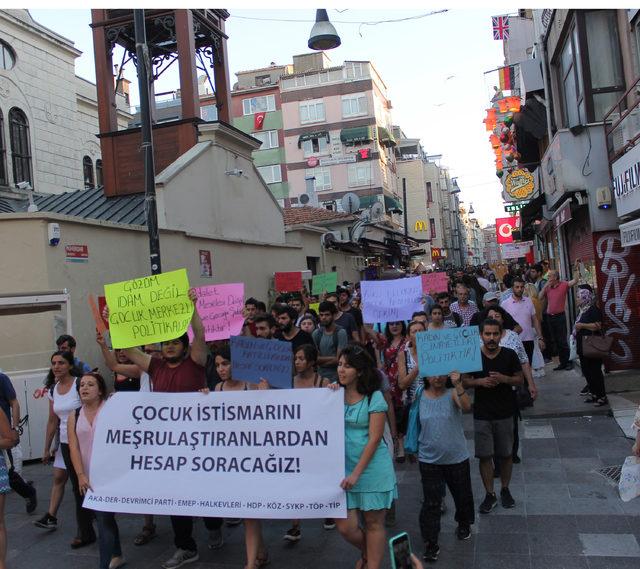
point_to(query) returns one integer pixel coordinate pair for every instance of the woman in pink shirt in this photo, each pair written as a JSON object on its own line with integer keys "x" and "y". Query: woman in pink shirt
{"x": 81, "y": 428}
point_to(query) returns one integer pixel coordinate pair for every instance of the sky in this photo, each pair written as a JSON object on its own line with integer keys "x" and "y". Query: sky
{"x": 433, "y": 67}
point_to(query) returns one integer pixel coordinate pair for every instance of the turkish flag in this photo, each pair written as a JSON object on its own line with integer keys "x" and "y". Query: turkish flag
{"x": 504, "y": 227}
{"x": 258, "y": 120}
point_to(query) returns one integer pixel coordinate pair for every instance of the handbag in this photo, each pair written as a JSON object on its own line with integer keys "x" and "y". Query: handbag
{"x": 596, "y": 346}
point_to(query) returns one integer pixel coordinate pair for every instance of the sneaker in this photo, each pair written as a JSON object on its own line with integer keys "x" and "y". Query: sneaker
{"x": 600, "y": 401}
{"x": 490, "y": 501}
{"x": 47, "y": 522}
{"x": 232, "y": 522}
{"x": 181, "y": 557}
{"x": 32, "y": 501}
{"x": 506, "y": 498}
{"x": 431, "y": 552}
{"x": 117, "y": 562}
{"x": 585, "y": 390}
{"x": 215, "y": 541}
{"x": 569, "y": 366}
{"x": 329, "y": 524}
{"x": 293, "y": 534}
{"x": 463, "y": 532}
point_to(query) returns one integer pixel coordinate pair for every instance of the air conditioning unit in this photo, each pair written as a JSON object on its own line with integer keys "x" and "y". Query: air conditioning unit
{"x": 330, "y": 238}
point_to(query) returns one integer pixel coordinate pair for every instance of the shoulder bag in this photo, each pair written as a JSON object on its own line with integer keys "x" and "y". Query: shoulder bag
{"x": 596, "y": 346}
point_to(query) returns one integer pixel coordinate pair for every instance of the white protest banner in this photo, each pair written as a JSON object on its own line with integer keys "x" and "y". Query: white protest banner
{"x": 392, "y": 300}
{"x": 242, "y": 454}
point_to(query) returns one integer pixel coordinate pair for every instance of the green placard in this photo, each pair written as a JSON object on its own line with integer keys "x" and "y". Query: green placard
{"x": 325, "y": 282}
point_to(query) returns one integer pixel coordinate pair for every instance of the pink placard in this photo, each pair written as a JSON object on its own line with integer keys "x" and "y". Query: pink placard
{"x": 220, "y": 308}
{"x": 435, "y": 282}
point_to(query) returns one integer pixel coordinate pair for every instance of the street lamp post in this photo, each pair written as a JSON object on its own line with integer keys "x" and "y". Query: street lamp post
{"x": 143, "y": 64}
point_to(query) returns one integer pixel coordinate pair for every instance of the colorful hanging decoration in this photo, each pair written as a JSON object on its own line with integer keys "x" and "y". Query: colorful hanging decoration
{"x": 499, "y": 122}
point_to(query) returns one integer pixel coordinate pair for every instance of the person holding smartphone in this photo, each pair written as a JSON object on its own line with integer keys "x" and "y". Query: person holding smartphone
{"x": 370, "y": 481}
{"x": 437, "y": 434}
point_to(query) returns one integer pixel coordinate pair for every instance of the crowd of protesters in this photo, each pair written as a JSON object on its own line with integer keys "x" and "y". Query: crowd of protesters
{"x": 390, "y": 412}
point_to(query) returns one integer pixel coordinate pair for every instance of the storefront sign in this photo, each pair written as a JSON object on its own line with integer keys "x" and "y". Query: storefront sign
{"x": 519, "y": 184}
{"x": 504, "y": 228}
{"x": 515, "y": 206}
{"x": 333, "y": 160}
{"x": 626, "y": 182}
{"x": 76, "y": 253}
{"x": 438, "y": 253}
{"x": 563, "y": 215}
{"x": 420, "y": 225}
{"x": 630, "y": 233}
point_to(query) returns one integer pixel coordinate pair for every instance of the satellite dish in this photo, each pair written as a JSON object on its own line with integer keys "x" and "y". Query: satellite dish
{"x": 304, "y": 199}
{"x": 377, "y": 211}
{"x": 350, "y": 202}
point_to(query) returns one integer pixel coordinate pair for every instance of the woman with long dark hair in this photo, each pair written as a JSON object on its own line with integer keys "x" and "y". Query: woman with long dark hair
{"x": 395, "y": 337}
{"x": 81, "y": 429}
{"x": 369, "y": 481}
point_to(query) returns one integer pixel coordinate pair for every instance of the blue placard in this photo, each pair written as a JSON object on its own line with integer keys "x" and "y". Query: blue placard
{"x": 450, "y": 349}
{"x": 255, "y": 358}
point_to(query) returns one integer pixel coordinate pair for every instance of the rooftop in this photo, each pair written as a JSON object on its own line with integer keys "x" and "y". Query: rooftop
{"x": 308, "y": 214}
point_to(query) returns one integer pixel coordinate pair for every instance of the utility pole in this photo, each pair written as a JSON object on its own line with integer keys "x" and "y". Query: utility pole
{"x": 144, "y": 66}
{"x": 404, "y": 209}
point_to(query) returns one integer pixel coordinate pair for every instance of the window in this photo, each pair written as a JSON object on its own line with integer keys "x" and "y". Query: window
{"x": 7, "y": 58}
{"x": 354, "y": 105}
{"x": 3, "y": 154}
{"x": 429, "y": 193}
{"x": 258, "y": 105}
{"x": 605, "y": 63}
{"x": 99, "y": 180}
{"x": 322, "y": 178}
{"x": 263, "y": 80}
{"x": 87, "y": 171}
{"x": 355, "y": 70}
{"x": 315, "y": 146}
{"x": 209, "y": 112}
{"x": 271, "y": 174}
{"x": 20, "y": 146}
{"x": 432, "y": 227}
{"x": 269, "y": 139}
{"x": 312, "y": 111}
{"x": 570, "y": 81}
{"x": 359, "y": 174}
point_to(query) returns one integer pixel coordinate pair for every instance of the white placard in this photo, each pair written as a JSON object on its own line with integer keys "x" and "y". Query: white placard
{"x": 516, "y": 250}
{"x": 243, "y": 454}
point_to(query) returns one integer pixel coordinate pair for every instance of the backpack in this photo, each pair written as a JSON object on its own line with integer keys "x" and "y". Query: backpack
{"x": 319, "y": 332}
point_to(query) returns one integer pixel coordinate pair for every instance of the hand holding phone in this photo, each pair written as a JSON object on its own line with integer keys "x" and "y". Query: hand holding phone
{"x": 400, "y": 550}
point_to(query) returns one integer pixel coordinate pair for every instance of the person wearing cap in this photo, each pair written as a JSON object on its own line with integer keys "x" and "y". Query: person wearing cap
{"x": 489, "y": 300}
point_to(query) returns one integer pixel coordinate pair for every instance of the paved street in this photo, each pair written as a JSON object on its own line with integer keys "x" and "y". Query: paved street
{"x": 567, "y": 515}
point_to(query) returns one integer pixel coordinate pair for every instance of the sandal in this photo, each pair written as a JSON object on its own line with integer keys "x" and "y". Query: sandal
{"x": 146, "y": 535}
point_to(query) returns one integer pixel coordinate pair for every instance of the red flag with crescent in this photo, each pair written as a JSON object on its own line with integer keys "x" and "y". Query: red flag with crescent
{"x": 258, "y": 120}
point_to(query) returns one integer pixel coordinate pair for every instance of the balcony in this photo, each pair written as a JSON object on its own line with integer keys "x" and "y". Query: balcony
{"x": 622, "y": 123}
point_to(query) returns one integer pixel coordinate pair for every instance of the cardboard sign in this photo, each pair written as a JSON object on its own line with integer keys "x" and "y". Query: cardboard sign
{"x": 288, "y": 282}
{"x": 314, "y": 306}
{"x": 253, "y": 359}
{"x": 97, "y": 316}
{"x": 451, "y": 349}
{"x": 149, "y": 309}
{"x": 435, "y": 282}
{"x": 220, "y": 309}
{"x": 233, "y": 454}
{"x": 325, "y": 282}
{"x": 391, "y": 300}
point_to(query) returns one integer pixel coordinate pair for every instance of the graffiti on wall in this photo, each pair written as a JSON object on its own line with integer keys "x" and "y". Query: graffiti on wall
{"x": 616, "y": 280}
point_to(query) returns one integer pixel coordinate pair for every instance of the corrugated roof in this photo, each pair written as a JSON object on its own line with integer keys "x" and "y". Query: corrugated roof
{"x": 93, "y": 204}
{"x": 308, "y": 214}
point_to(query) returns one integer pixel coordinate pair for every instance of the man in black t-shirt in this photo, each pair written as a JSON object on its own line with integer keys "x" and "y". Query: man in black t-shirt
{"x": 287, "y": 329}
{"x": 493, "y": 410}
{"x": 344, "y": 319}
{"x": 345, "y": 307}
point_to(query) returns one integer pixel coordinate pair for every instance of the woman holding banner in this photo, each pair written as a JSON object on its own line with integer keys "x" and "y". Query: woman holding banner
{"x": 436, "y": 433}
{"x": 81, "y": 429}
{"x": 370, "y": 481}
{"x": 395, "y": 334}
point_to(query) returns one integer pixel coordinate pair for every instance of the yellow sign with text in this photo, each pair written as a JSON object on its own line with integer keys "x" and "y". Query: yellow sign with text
{"x": 519, "y": 184}
{"x": 149, "y": 309}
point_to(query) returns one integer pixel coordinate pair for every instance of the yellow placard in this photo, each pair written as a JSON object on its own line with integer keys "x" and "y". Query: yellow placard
{"x": 314, "y": 306}
{"x": 149, "y": 309}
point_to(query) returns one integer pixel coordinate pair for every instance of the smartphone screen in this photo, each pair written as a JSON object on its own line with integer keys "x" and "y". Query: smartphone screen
{"x": 401, "y": 551}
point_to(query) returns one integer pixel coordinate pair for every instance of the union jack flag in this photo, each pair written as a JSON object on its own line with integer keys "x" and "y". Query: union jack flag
{"x": 500, "y": 27}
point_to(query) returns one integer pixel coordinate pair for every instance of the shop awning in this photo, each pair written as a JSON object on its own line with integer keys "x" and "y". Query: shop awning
{"x": 356, "y": 135}
{"x": 392, "y": 203}
{"x": 368, "y": 201}
{"x": 385, "y": 137}
{"x": 313, "y": 134}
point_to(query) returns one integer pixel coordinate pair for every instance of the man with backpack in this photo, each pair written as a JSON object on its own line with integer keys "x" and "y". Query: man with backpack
{"x": 330, "y": 339}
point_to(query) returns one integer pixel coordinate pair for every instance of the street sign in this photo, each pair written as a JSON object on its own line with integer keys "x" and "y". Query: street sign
{"x": 513, "y": 207}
